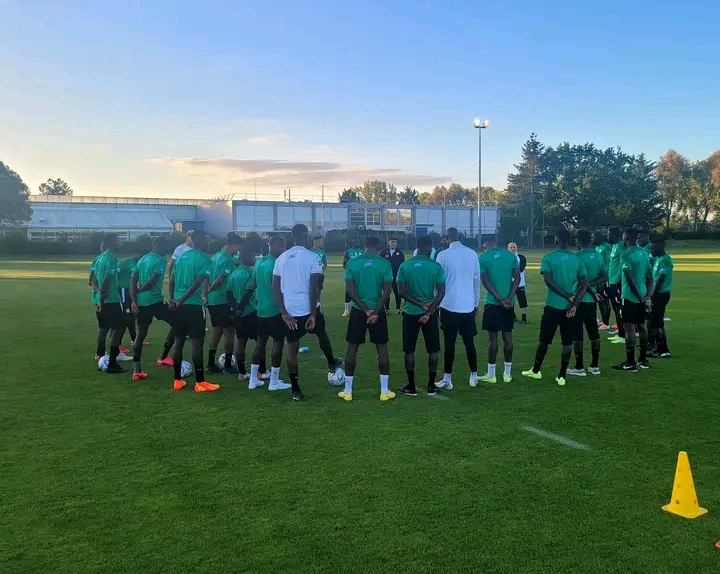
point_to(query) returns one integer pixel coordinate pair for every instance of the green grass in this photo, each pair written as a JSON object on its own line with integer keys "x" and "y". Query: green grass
{"x": 98, "y": 473}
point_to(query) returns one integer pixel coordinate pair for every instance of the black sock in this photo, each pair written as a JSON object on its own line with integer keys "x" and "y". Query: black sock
{"x": 524, "y": 317}
{"x": 177, "y": 368}
{"x": 643, "y": 353}
{"x": 263, "y": 366}
{"x": 241, "y": 367}
{"x": 295, "y": 382}
{"x": 411, "y": 379}
{"x": 579, "y": 360}
{"x": 114, "y": 352}
{"x": 199, "y": 374}
{"x": 166, "y": 351}
{"x": 537, "y": 366}
{"x": 563, "y": 369}
{"x": 431, "y": 379}
{"x": 100, "y": 352}
{"x": 331, "y": 362}
{"x": 211, "y": 357}
{"x": 630, "y": 351}
{"x": 228, "y": 360}
{"x": 595, "y": 358}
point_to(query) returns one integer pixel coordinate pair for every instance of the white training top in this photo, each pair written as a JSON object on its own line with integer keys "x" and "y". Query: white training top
{"x": 180, "y": 249}
{"x": 522, "y": 273}
{"x": 294, "y": 268}
{"x": 432, "y": 253}
{"x": 462, "y": 278}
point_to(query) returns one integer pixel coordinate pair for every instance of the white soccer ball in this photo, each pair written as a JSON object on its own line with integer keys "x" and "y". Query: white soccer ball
{"x": 103, "y": 363}
{"x": 336, "y": 378}
{"x": 221, "y": 361}
{"x": 185, "y": 369}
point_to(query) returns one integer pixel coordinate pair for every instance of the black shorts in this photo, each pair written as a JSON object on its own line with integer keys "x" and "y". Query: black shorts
{"x": 273, "y": 327}
{"x": 614, "y": 293}
{"x": 293, "y": 336}
{"x": 496, "y": 318}
{"x": 522, "y": 298}
{"x": 147, "y": 313}
{"x": 126, "y": 300}
{"x": 586, "y": 320}
{"x": 357, "y": 327}
{"x": 602, "y": 290}
{"x": 246, "y": 327}
{"x": 111, "y": 317}
{"x": 552, "y": 320}
{"x": 411, "y": 330}
{"x": 659, "y": 306}
{"x": 220, "y": 316}
{"x": 189, "y": 321}
{"x": 453, "y": 324}
{"x": 633, "y": 313}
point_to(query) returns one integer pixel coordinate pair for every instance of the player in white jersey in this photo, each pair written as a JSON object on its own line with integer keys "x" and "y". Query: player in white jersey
{"x": 521, "y": 296}
{"x": 297, "y": 280}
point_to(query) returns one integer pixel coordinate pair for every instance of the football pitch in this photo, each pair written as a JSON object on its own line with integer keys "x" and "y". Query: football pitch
{"x": 102, "y": 474}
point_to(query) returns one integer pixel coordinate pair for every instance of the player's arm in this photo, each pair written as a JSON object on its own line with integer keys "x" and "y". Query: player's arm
{"x": 600, "y": 280}
{"x": 387, "y": 289}
{"x": 661, "y": 279}
{"x": 346, "y": 258}
{"x": 91, "y": 277}
{"x": 523, "y": 263}
{"x": 515, "y": 284}
{"x": 476, "y": 283}
{"x": 583, "y": 286}
{"x": 324, "y": 262}
{"x": 405, "y": 294}
{"x": 154, "y": 278}
{"x": 489, "y": 287}
{"x": 631, "y": 283}
{"x": 171, "y": 281}
{"x": 649, "y": 287}
{"x": 251, "y": 286}
{"x": 548, "y": 277}
{"x": 219, "y": 282}
{"x": 350, "y": 288}
{"x": 134, "y": 287}
{"x": 199, "y": 280}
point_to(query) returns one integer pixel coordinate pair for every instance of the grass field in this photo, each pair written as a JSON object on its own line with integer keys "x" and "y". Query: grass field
{"x": 98, "y": 473}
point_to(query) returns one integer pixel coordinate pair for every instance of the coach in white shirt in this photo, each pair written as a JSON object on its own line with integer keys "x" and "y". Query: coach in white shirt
{"x": 297, "y": 277}
{"x": 459, "y": 306}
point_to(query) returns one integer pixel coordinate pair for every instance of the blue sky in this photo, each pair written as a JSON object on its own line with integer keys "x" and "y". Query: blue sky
{"x": 173, "y": 99}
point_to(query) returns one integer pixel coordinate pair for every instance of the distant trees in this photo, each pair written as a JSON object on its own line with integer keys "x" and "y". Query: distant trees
{"x": 14, "y": 198}
{"x": 55, "y": 187}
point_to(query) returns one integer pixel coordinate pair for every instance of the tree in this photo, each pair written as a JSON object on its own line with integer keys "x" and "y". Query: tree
{"x": 408, "y": 196}
{"x": 377, "y": 192}
{"x": 703, "y": 194}
{"x": 519, "y": 203}
{"x": 490, "y": 195}
{"x": 14, "y": 203}
{"x": 55, "y": 187}
{"x": 673, "y": 173}
{"x": 349, "y": 196}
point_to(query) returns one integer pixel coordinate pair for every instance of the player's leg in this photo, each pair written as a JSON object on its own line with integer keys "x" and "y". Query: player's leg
{"x": 431, "y": 334}
{"x": 523, "y": 304}
{"x": 642, "y": 362}
{"x": 130, "y": 323}
{"x": 355, "y": 336}
{"x": 577, "y": 328}
{"x": 379, "y": 336}
{"x": 278, "y": 338}
{"x": 102, "y": 335}
{"x": 410, "y": 333}
{"x": 449, "y": 326}
{"x": 196, "y": 332}
{"x": 593, "y": 332}
{"x": 618, "y": 307}
{"x": 180, "y": 332}
{"x": 165, "y": 360}
{"x": 468, "y": 331}
{"x": 566, "y": 336}
{"x": 629, "y": 314}
{"x": 657, "y": 323}
{"x": 320, "y": 331}
{"x": 508, "y": 349}
{"x": 215, "y": 335}
{"x": 259, "y": 354}
{"x": 116, "y": 321}
{"x": 291, "y": 358}
{"x": 396, "y": 292}
{"x": 548, "y": 326}
{"x": 491, "y": 325}
{"x": 240, "y": 346}
{"x": 144, "y": 318}
{"x": 229, "y": 348}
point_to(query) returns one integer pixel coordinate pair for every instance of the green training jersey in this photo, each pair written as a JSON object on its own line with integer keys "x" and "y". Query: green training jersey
{"x": 566, "y": 269}
{"x": 437, "y": 252}
{"x": 95, "y": 297}
{"x": 188, "y": 267}
{"x": 594, "y": 266}
{"x": 498, "y": 266}
{"x": 663, "y": 267}
{"x": 107, "y": 266}
{"x": 263, "y": 275}
{"x": 614, "y": 265}
{"x": 636, "y": 261}
{"x": 125, "y": 271}
{"x": 420, "y": 275}
{"x": 369, "y": 271}
{"x": 648, "y": 250}
{"x": 222, "y": 264}
{"x": 321, "y": 254}
{"x": 354, "y": 252}
{"x": 239, "y": 282}
{"x": 149, "y": 265}
{"x": 604, "y": 249}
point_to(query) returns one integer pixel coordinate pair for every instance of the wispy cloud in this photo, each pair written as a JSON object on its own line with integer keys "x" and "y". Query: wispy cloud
{"x": 267, "y": 140}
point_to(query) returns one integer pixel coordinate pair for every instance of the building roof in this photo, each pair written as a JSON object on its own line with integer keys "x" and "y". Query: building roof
{"x": 76, "y": 217}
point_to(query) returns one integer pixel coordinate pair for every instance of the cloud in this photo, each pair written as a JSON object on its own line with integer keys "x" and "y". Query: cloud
{"x": 241, "y": 172}
{"x": 266, "y": 140}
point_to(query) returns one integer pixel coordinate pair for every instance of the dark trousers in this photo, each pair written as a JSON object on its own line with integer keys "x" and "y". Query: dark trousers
{"x": 396, "y": 291}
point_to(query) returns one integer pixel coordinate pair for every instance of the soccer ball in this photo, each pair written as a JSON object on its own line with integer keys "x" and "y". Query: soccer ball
{"x": 336, "y": 378}
{"x": 185, "y": 369}
{"x": 221, "y": 361}
{"x": 103, "y": 363}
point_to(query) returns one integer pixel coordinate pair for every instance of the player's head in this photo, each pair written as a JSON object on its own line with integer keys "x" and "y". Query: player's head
{"x": 424, "y": 245}
{"x": 160, "y": 246}
{"x": 629, "y": 237}
{"x": 372, "y": 244}
{"x": 562, "y": 238}
{"x": 189, "y": 237}
{"x": 614, "y": 235}
{"x": 489, "y": 244}
{"x": 643, "y": 237}
{"x": 200, "y": 241}
{"x": 356, "y": 243}
{"x": 111, "y": 241}
{"x": 657, "y": 245}
{"x": 232, "y": 243}
{"x": 300, "y": 234}
{"x": 512, "y": 246}
{"x": 444, "y": 241}
{"x": 247, "y": 256}
{"x": 583, "y": 239}
{"x": 452, "y": 234}
{"x": 277, "y": 245}
{"x": 392, "y": 244}
{"x": 317, "y": 242}
{"x": 598, "y": 238}
{"x": 144, "y": 251}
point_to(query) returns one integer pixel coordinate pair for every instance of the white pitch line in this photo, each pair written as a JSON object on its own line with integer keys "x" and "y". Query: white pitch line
{"x": 557, "y": 438}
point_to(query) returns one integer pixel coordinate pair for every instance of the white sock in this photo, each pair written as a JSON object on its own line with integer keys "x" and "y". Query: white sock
{"x": 447, "y": 377}
{"x": 508, "y": 368}
{"x": 347, "y": 307}
{"x": 348, "y": 384}
{"x": 254, "y": 372}
{"x": 274, "y": 375}
{"x": 491, "y": 370}
{"x": 473, "y": 375}
{"x": 384, "y": 383}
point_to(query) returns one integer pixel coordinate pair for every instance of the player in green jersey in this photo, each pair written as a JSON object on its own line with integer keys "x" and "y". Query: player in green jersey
{"x": 269, "y": 320}
{"x": 566, "y": 281}
{"x": 421, "y": 282}
{"x": 615, "y": 283}
{"x": 317, "y": 248}
{"x": 125, "y": 270}
{"x": 663, "y": 279}
{"x": 369, "y": 281}
{"x": 604, "y": 249}
{"x": 637, "y": 283}
{"x": 94, "y": 297}
{"x": 109, "y": 310}
{"x": 352, "y": 253}
{"x": 146, "y": 295}
{"x": 586, "y": 315}
{"x": 500, "y": 275}
{"x": 243, "y": 306}
{"x": 444, "y": 243}
{"x": 187, "y": 283}
{"x": 221, "y": 319}
{"x": 643, "y": 241}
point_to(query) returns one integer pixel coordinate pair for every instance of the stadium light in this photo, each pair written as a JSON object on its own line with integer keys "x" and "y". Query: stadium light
{"x": 480, "y": 125}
